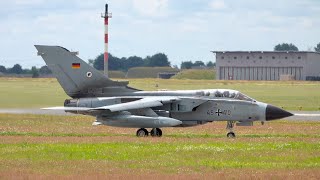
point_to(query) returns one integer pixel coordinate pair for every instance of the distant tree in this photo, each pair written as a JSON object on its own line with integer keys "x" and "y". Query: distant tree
{"x": 198, "y": 63}
{"x": 317, "y": 48}
{"x": 210, "y": 64}
{"x": 186, "y": 65}
{"x": 35, "y": 72}
{"x": 157, "y": 60}
{"x": 190, "y": 64}
{"x": 26, "y": 71}
{"x": 133, "y": 61}
{"x": 3, "y": 69}
{"x": 16, "y": 69}
{"x": 124, "y": 64}
{"x": 286, "y": 47}
{"x": 45, "y": 70}
{"x": 146, "y": 61}
{"x": 115, "y": 63}
{"x": 98, "y": 62}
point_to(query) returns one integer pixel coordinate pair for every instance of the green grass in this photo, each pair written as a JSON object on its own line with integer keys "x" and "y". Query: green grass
{"x": 29, "y": 93}
{"x": 117, "y": 74}
{"x": 172, "y": 135}
{"x": 146, "y": 155}
{"x": 148, "y": 72}
{"x": 23, "y": 125}
{"x": 291, "y": 95}
{"x": 35, "y": 134}
{"x": 201, "y": 74}
{"x": 37, "y": 145}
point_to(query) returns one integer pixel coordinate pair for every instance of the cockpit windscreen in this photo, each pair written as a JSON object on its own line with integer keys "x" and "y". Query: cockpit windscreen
{"x": 229, "y": 94}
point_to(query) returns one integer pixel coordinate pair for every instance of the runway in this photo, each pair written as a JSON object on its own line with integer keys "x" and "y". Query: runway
{"x": 34, "y": 111}
{"x": 298, "y": 115}
{"x": 305, "y": 115}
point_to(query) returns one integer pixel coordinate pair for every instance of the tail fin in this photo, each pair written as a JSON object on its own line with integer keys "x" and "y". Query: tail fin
{"x": 74, "y": 75}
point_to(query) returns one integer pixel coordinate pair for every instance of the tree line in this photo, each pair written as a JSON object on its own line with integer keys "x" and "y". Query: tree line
{"x": 161, "y": 59}
{"x": 292, "y": 47}
{"x": 17, "y": 69}
{"x": 124, "y": 64}
{"x": 190, "y": 64}
{"x": 156, "y": 60}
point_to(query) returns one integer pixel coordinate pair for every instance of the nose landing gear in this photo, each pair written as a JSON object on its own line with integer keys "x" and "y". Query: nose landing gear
{"x": 230, "y": 125}
{"x": 231, "y": 135}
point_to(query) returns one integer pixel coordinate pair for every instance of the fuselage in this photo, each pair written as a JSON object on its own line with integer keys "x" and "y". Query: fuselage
{"x": 219, "y": 105}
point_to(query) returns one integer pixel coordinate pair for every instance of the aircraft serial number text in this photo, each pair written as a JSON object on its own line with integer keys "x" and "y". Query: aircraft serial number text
{"x": 219, "y": 112}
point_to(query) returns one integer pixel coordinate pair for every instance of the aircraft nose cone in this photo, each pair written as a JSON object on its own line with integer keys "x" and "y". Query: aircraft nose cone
{"x": 273, "y": 113}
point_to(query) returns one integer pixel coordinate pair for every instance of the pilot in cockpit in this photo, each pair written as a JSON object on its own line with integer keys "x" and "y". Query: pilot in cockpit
{"x": 226, "y": 94}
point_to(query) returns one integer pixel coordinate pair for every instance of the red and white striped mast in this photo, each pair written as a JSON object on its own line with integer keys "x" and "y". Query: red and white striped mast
{"x": 106, "y": 17}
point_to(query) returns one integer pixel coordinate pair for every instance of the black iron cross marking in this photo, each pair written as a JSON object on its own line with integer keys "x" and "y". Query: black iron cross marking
{"x": 218, "y": 112}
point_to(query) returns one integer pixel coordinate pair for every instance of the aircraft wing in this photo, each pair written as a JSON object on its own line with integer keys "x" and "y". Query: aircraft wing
{"x": 147, "y": 102}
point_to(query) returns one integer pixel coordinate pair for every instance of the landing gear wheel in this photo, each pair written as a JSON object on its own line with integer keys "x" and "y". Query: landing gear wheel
{"x": 231, "y": 135}
{"x": 156, "y": 132}
{"x": 142, "y": 133}
{"x": 230, "y": 125}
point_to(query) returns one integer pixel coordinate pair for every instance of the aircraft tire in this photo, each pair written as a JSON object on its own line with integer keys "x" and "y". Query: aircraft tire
{"x": 231, "y": 135}
{"x": 156, "y": 132}
{"x": 142, "y": 133}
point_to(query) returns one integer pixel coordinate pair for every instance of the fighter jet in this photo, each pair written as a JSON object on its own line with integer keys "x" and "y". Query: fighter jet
{"x": 114, "y": 103}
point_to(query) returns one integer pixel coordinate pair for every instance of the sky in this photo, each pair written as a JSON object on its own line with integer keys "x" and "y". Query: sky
{"x": 184, "y": 30}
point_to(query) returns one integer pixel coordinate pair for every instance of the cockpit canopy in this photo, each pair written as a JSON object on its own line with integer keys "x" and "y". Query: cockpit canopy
{"x": 225, "y": 93}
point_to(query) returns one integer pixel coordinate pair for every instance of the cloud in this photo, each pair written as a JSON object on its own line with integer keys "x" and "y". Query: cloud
{"x": 28, "y": 2}
{"x": 193, "y": 25}
{"x": 184, "y": 30}
{"x": 151, "y": 7}
{"x": 218, "y": 4}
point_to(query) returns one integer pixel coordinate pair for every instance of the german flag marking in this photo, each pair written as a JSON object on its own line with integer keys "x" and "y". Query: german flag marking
{"x": 75, "y": 65}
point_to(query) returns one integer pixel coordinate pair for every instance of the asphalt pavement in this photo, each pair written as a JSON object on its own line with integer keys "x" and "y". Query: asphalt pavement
{"x": 34, "y": 111}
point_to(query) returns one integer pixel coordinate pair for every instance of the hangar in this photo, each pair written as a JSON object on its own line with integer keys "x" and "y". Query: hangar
{"x": 267, "y": 65}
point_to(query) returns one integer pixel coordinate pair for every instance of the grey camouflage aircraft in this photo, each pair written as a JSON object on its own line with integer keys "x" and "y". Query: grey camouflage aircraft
{"x": 116, "y": 104}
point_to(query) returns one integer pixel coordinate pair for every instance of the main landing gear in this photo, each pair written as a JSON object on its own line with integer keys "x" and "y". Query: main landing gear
{"x": 230, "y": 125}
{"x": 155, "y": 132}
{"x": 142, "y": 132}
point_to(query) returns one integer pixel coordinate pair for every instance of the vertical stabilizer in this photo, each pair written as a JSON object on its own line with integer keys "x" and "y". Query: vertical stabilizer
{"x": 75, "y": 76}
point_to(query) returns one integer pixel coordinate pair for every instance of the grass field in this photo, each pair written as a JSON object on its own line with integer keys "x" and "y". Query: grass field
{"x": 117, "y": 74}
{"x": 33, "y": 146}
{"x": 199, "y": 74}
{"x": 148, "y": 72}
{"x": 51, "y": 147}
{"x": 291, "y": 95}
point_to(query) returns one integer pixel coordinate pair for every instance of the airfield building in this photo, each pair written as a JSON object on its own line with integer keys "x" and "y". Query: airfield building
{"x": 267, "y": 65}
